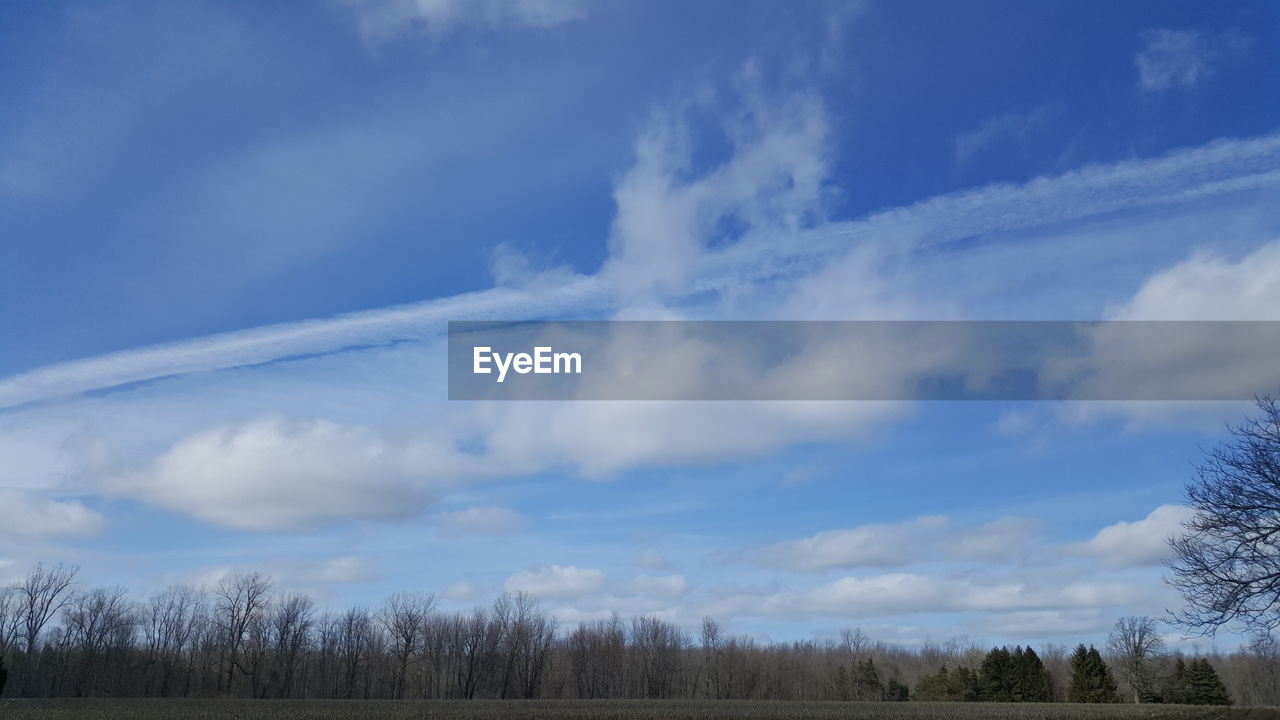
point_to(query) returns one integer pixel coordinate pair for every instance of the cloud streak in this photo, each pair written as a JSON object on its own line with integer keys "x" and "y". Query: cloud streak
{"x": 1220, "y": 168}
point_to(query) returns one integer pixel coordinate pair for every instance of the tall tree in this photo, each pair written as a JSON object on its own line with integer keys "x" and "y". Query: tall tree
{"x": 1091, "y": 680}
{"x": 44, "y": 592}
{"x": 1030, "y": 678}
{"x": 10, "y": 618}
{"x": 240, "y": 602}
{"x": 997, "y": 676}
{"x": 1176, "y": 689}
{"x": 1227, "y": 562}
{"x": 1204, "y": 687}
{"x": 404, "y": 617}
{"x": 866, "y": 681}
{"x": 1136, "y": 645}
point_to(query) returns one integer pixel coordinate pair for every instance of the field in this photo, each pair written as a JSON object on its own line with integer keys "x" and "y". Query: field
{"x": 156, "y": 709}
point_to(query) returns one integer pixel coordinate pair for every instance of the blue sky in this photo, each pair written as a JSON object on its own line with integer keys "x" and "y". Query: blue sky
{"x": 231, "y": 234}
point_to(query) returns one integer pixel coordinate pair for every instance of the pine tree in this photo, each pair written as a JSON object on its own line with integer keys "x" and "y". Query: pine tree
{"x": 1204, "y": 686}
{"x": 996, "y": 676}
{"x": 966, "y": 686}
{"x": 933, "y": 688}
{"x": 866, "y": 682}
{"x": 1091, "y": 679}
{"x": 1030, "y": 678}
{"x": 1176, "y": 688}
{"x": 897, "y": 692}
{"x": 840, "y": 683}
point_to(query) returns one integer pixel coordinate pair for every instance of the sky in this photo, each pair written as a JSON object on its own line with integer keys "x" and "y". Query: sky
{"x": 231, "y": 236}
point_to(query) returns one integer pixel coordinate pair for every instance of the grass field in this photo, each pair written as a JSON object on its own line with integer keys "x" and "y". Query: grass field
{"x": 152, "y": 709}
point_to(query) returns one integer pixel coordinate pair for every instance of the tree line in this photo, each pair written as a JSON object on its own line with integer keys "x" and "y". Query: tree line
{"x": 240, "y": 638}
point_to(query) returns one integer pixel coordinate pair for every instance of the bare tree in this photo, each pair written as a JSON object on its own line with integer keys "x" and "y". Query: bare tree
{"x": 529, "y": 642}
{"x": 354, "y": 635}
{"x": 239, "y": 602}
{"x": 44, "y": 592}
{"x": 711, "y": 656}
{"x": 854, "y": 641}
{"x": 10, "y": 618}
{"x": 170, "y": 622}
{"x": 1227, "y": 563}
{"x": 95, "y": 621}
{"x": 288, "y": 630}
{"x": 404, "y": 617}
{"x": 1136, "y": 645}
{"x": 657, "y": 646}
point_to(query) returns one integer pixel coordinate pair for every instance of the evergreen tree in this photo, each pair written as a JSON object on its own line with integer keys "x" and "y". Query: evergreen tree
{"x": 1176, "y": 688}
{"x": 842, "y": 683}
{"x": 866, "y": 682}
{"x": 1030, "y": 678}
{"x": 4, "y": 676}
{"x": 996, "y": 676}
{"x": 1204, "y": 687}
{"x": 933, "y": 688}
{"x": 965, "y": 685}
{"x": 897, "y": 692}
{"x": 1091, "y": 679}
{"x": 946, "y": 686}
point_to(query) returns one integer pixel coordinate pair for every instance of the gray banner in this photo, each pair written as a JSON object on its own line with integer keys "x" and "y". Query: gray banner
{"x": 863, "y": 360}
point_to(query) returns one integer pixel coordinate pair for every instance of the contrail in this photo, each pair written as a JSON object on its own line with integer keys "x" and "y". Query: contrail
{"x": 1219, "y": 168}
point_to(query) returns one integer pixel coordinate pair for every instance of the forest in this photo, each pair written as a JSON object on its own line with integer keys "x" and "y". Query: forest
{"x": 243, "y": 639}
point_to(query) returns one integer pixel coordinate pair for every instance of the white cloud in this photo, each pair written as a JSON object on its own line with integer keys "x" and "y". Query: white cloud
{"x": 343, "y": 570}
{"x": 1010, "y": 126}
{"x": 1141, "y": 542}
{"x": 288, "y": 574}
{"x": 1001, "y": 539}
{"x": 901, "y": 593}
{"x": 652, "y": 559}
{"x": 1218, "y": 168}
{"x": 273, "y": 474}
{"x": 485, "y": 520}
{"x": 556, "y": 581}
{"x": 878, "y": 545}
{"x": 657, "y": 586}
{"x": 927, "y": 538}
{"x": 1039, "y": 623}
{"x": 463, "y": 591}
{"x": 787, "y": 263}
{"x": 382, "y": 20}
{"x": 599, "y": 438}
{"x": 905, "y": 592}
{"x": 26, "y": 516}
{"x": 1151, "y": 362}
{"x": 1210, "y": 287}
{"x": 772, "y": 183}
{"x": 1171, "y": 59}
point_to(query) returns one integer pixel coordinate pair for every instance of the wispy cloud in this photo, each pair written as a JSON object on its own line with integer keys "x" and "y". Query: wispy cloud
{"x": 1171, "y": 59}
{"x": 923, "y": 539}
{"x": 556, "y": 581}
{"x": 1011, "y": 126}
{"x": 485, "y": 520}
{"x": 1216, "y": 169}
{"x": 384, "y": 20}
{"x": 26, "y": 516}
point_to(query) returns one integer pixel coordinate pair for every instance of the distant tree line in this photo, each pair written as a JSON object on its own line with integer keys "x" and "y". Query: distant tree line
{"x": 241, "y": 638}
